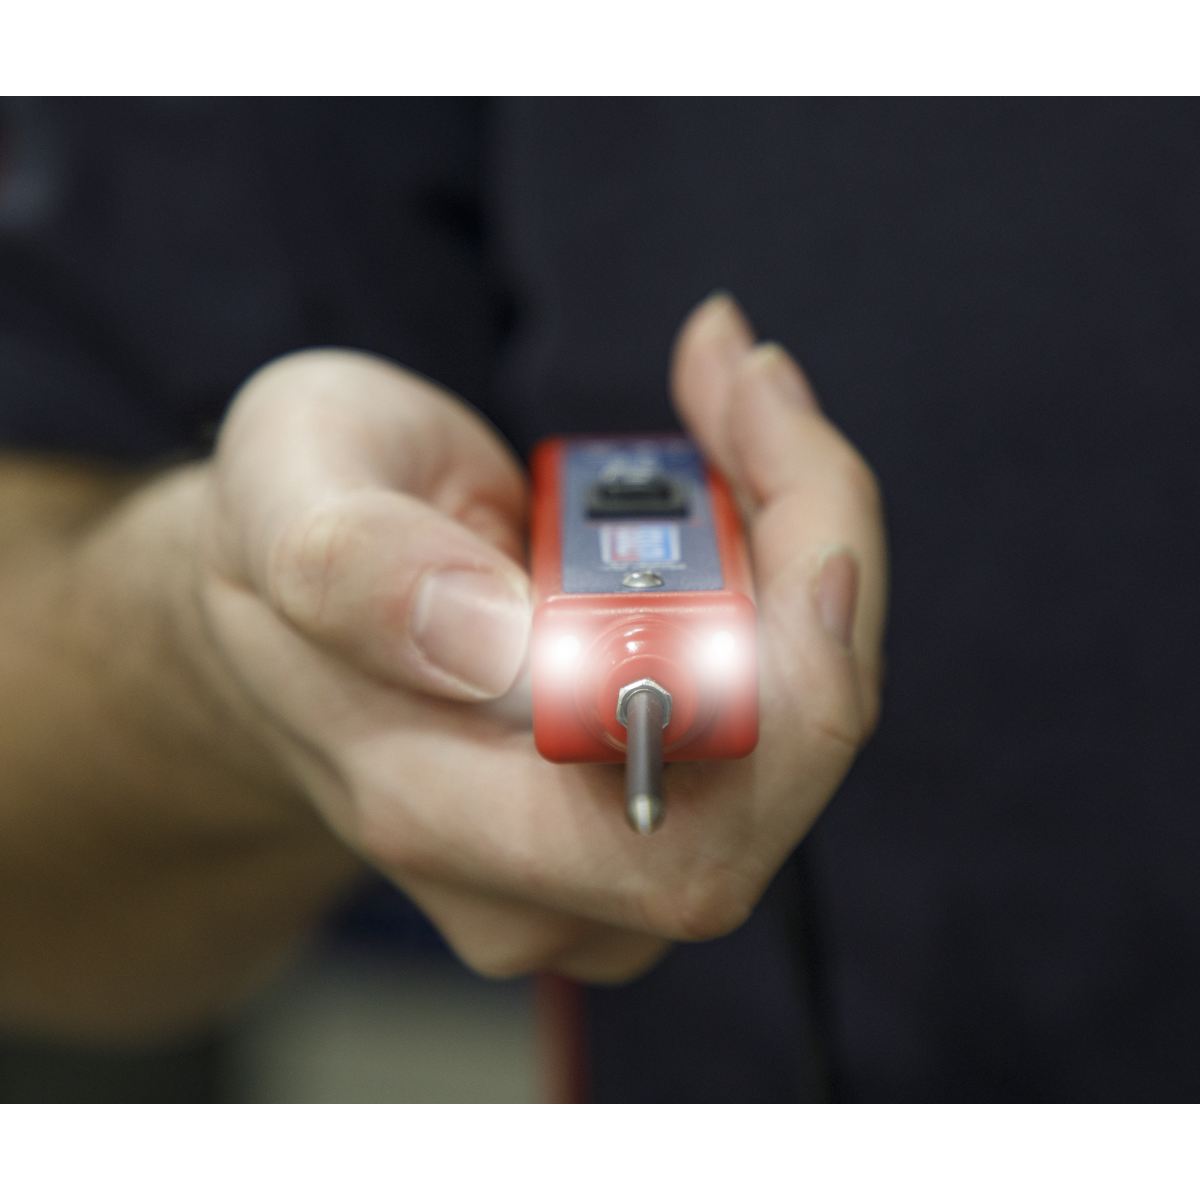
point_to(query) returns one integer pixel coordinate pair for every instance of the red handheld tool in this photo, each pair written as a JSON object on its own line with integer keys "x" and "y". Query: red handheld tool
{"x": 644, "y": 629}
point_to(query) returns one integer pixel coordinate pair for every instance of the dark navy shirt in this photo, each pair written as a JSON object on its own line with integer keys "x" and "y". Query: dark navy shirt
{"x": 999, "y": 302}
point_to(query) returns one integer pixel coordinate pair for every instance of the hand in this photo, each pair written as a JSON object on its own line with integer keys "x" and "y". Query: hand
{"x": 363, "y": 576}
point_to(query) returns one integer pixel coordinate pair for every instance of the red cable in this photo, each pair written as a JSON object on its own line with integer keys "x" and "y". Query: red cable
{"x": 561, "y": 1007}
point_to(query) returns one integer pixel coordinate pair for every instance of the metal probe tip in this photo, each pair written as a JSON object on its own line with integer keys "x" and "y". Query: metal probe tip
{"x": 644, "y": 712}
{"x": 645, "y": 812}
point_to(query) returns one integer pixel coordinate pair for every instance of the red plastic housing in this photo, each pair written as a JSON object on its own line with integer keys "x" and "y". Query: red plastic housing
{"x": 702, "y": 646}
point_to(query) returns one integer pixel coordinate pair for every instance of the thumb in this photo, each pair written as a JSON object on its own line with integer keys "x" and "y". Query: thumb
{"x": 404, "y": 591}
{"x": 380, "y": 517}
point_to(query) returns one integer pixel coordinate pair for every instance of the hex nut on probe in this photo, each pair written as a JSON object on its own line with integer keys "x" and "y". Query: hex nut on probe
{"x": 643, "y": 685}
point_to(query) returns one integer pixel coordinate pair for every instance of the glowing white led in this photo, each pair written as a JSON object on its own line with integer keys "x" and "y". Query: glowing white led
{"x": 566, "y": 648}
{"x": 721, "y": 648}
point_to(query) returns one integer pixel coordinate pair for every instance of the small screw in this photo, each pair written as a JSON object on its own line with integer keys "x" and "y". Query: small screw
{"x": 642, "y": 579}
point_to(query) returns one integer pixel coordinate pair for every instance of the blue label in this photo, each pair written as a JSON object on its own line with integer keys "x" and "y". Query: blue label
{"x": 643, "y": 544}
{"x": 600, "y": 551}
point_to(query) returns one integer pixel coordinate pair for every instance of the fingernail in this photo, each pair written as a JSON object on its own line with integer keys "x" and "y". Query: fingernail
{"x": 837, "y": 593}
{"x": 473, "y": 626}
{"x": 718, "y": 298}
{"x": 776, "y": 367}
{"x": 729, "y": 327}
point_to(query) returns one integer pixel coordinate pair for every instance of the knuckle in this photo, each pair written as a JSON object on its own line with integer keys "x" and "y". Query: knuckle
{"x": 861, "y": 483}
{"x": 840, "y": 735}
{"x": 611, "y": 964}
{"x": 710, "y": 905}
{"x": 518, "y": 951}
{"x": 870, "y": 702}
{"x": 838, "y": 718}
{"x": 494, "y": 962}
{"x": 305, "y": 561}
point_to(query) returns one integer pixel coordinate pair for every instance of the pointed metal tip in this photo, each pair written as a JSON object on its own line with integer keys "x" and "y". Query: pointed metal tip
{"x": 645, "y": 812}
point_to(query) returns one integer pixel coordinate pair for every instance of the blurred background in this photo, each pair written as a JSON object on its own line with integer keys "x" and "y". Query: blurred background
{"x": 379, "y": 1010}
{"x": 375, "y": 1010}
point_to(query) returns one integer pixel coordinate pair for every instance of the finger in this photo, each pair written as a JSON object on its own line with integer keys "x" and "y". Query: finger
{"x": 819, "y": 501}
{"x": 809, "y": 492}
{"x": 502, "y": 938}
{"x": 713, "y": 341}
{"x": 381, "y": 517}
{"x": 404, "y": 591}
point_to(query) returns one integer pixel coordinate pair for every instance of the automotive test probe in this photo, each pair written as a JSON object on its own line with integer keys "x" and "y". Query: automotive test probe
{"x": 644, "y": 628}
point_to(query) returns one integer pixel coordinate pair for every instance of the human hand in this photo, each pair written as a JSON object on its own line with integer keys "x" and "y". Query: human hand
{"x": 363, "y": 547}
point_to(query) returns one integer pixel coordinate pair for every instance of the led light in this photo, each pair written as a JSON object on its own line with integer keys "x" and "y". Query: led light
{"x": 566, "y": 649}
{"x": 721, "y": 648}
